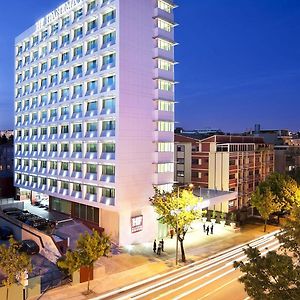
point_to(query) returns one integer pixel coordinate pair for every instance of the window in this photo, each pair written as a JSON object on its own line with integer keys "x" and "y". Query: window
{"x": 66, "y": 21}
{"x": 43, "y": 181}
{"x": 109, "y": 39}
{"x": 109, "y": 104}
{"x": 44, "y": 115}
{"x": 78, "y": 33}
{"x": 109, "y": 60}
{"x": 34, "y": 132}
{"x": 53, "y": 147}
{"x": 65, "y": 39}
{"x": 77, "y": 108}
{"x": 35, "y": 163}
{"x": 78, "y": 14}
{"x": 77, "y": 90}
{"x": 53, "y": 62}
{"x": 164, "y": 25}
{"x": 77, "y": 128}
{"x": 92, "y": 106}
{"x": 54, "y": 28}
{"x": 109, "y": 17}
{"x": 91, "y": 127}
{"x": 43, "y": 147}
{"x": 54, "y": 46}
{"x": 108, "y": 148}
{"x": 77, "y": 52}
{"x": 92, "y": 169}
{"x": 53, "y": 80}
{"x": 91, "y": 190}
{"x": 53, "y": 112}
{"x": 165, "y": 167}
{"x": 44, "y": 51}
{"x": 65, "y": 75}
{"x": 165, "y": 105}
{"x": 64, "y": 166}
{"x": 92, "y": 67}
{"x": 164, "y": 45}
{"x": 92, "y": 25}
{"x": 44, "y": 34}
{"x": 53, "y": 182}
{"x": 91, "y": 6}
{"x": 43, "y": 164}
{"x": 44, "y": 131}
{"x": 43, "y": 67}
{"x": 166, "y": 147}
{"x": 64, "y": 111}
{"x": 77, "y": 167}
{"x": 65, "y": 94}
{"x": 77, "y": 187}
{"x": 108, "y": 193}
{"x": 53, "y": 130}
{"x": 165, "y": 85}
{"x": 92, "y": 147}
{"x": 92, "y": 46}
{"x": 92, "y": 87}
{"x": 64, "y": 185}
{"x": 109, "y": 83}
{"x": 65, "y": 147}
{"x": 164, "y": 64}
{"x": 65, "y": 57}
{"x": 180, "y": 173}
{"x": 164, "y": 6}
{"x": 77, "y": 148}
{"x": 108, "y": 125}
{"x": 108, "y": 170}
{"x": 77, "y": 71}
{"x": 165, "y": 126}
{"x": 64, "y": 129}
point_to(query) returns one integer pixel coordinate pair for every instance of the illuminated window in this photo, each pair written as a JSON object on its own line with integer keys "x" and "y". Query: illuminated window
{"x": 164, "y": 65}
{"x": 165, "y": 147}
{"x": 164, "y": 6}
{"x": 164, "y": 25}
{"x": 164, "y": 45}
{"x": 165, "y": 126}
{"x": 165, "y": 167}
{"x": 165, "y": 105}
{"x": 165, "y": 85}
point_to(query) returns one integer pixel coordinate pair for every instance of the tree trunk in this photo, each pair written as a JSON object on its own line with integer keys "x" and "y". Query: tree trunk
{"x": 182, "y": 251}
{"x": 6, "y": 293}
{"x": 89, "y": 272}
{"x": 265, "y": 226}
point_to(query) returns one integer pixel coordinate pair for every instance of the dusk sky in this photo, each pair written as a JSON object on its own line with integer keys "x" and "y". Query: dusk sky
{"x": 239, "y": 61}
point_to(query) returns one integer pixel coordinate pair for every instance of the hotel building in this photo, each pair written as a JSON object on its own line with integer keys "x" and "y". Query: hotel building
{"x": 94, "y": 112}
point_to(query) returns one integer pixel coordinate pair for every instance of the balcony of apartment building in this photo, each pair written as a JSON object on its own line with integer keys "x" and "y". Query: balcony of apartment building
{"x": 164, "y": 89}
{"x": 164, "y": 10}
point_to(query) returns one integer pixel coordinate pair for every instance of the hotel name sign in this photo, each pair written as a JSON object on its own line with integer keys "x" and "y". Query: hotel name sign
{"x": 57, "y": 13}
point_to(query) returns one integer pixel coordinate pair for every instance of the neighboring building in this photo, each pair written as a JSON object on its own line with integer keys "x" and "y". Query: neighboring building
{"x": 94, "y": 111}
{"x": 226, "y": 163}
{"x": 286, "y": 147}
{"x": 7, "y": 133}
{"x": 7, "y": 189}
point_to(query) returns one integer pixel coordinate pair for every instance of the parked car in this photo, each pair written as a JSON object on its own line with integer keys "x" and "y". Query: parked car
{"x": 5, "y": 232}
{"x": 11, "y": 209}
{"x": 30, "y": 247}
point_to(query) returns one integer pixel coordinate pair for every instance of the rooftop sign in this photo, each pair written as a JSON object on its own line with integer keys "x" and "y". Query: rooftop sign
{"x": 57, "y": 13}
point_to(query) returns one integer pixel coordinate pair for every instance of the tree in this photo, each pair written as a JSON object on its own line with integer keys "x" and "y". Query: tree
{"x": 178, "y": 209}
{"x": 13, "y": 263}
{"x": 275, "y": 276}
{"x": 89, "y": 248}
{"x": 285, "y": 190}
{"x": 264, "y": 201}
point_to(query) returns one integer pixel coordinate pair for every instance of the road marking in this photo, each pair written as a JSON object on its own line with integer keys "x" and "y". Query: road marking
{"x": 219, "y": 288}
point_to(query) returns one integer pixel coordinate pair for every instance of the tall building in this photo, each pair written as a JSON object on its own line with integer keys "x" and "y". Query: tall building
{"x": 94, "y": 111}
{"x": 225, "y": 163}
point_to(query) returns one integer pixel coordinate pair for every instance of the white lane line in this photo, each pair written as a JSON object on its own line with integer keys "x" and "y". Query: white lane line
{"x": 216, "y": 278}
{"x": 189, "y": 267}
{"x": 172, "y": 281}
{"x": 219, "y": 288}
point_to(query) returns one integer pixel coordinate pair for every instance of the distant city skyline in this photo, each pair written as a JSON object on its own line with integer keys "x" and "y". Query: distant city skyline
{"x": 239, "y": 62}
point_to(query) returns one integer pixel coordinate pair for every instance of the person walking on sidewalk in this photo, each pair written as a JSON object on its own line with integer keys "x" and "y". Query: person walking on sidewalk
{"x": 154, "y": 246}
{"x": 207, "y": 230}
{"x": 212, "y": 229}
{"x": 162, "y": 243}
{"x": 159, "y": 249}
{"x": 204, "y": 228}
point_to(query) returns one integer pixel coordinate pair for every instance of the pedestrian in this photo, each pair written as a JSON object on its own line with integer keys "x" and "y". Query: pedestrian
{"x": 207, "y": 230}
{"x": 162, "y": 245}
{"x": 171, "y": 233}
{"x": 212, "y": 229}
{"x": 154, "y": 246}
{"x": 204, "y": 228}
{"x": 159, "y": 249}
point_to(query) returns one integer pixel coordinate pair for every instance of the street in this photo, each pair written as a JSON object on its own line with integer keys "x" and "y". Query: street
{"x": 211, "y": 278}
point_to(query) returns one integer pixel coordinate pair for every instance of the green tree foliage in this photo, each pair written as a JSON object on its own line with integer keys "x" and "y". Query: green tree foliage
{"x": 90, "y": 247}
{"x": 178, "y": 209}
{"x": 295, "y": 174}
{"x": 276, "y": 275}
{"x": 264, "y": 201}
{"x": 13, "y": 263}
{"x": 284, "y": 188}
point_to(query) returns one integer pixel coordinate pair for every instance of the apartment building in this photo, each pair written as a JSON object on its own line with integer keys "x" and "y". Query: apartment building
{"x": 94, "y": 111}
{"x": 226, "y": 163}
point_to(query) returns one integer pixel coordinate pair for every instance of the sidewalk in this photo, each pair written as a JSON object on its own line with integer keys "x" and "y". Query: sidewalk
{"x": 138, "y": 262}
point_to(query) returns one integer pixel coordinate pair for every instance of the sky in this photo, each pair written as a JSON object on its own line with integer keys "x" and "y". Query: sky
{"x": 239, "y": 61}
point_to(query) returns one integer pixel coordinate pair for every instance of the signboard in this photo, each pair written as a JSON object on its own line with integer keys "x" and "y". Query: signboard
{"x": 136, "y": 224}
{"x": 59, "y": 12}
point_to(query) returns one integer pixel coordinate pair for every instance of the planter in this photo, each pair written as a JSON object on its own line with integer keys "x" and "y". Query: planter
{"x": 223, "y": 222}
{"x": 213, "y": 221}
{"x": 204, "y": 219}
{"x": 233, "y": 224}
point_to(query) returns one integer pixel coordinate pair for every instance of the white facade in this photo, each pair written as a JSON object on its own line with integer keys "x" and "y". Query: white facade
{"x": 94, "y": 111}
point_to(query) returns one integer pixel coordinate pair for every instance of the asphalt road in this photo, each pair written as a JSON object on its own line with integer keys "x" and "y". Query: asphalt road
{"x": 213, "y": 278}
